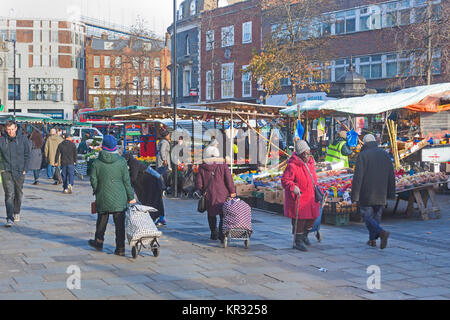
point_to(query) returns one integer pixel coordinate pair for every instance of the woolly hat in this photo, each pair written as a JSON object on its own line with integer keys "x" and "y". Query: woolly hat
{"x": 211, "y": 152}
{"x": 301, "y": 146}
{"x": 369, "y": 138}
{"x": 109, "y": 143}
{"x": 164, "y": 133}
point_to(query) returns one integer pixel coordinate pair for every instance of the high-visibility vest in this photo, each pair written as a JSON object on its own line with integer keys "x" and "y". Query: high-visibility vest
{"x": 334, "y": 153}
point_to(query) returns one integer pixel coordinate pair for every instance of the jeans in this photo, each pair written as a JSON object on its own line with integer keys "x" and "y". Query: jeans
{"x": 119, "y": 223}
{"x": 212, "y": 220}
{"x": 36, "y": 174}
{"x": 50, "y": 171}
{"x": 13, "y": 193}
{"x": 67, "y": 173}
{"x": 372, "y": 218}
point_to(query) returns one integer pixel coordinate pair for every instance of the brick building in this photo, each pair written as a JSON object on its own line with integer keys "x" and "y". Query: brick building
{"x": 49, "y": 66}
{"x": 229, "y": 35}
{"x": 189, "y": 17}
{"x": 364, "y": 31}
{"x": 126, "y": 72}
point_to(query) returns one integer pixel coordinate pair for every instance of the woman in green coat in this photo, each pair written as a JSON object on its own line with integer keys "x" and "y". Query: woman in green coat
{"x": 110, "y": 182}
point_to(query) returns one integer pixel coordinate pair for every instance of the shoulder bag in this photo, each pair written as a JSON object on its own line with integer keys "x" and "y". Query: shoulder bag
{"x": 318, "y": 194}
{"x": 202, "y": 202}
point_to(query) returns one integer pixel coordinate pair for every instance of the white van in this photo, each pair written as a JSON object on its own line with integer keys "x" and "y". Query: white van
{"x": 78, "y": 134}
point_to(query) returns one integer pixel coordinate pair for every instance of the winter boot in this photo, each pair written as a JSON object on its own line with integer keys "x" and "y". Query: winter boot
{"x": 97, "y": 244}
{"x": 384, "y": 235}
{"x": 299, "y": 242}
{"x": 120, "y": 252}
{"x": 305, "y": 238}
{"x": 214, "y": 235}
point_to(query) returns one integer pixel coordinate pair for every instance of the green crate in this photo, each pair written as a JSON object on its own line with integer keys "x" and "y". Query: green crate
{"x": 258, "y": 195}
{"x": 340, "y": 219}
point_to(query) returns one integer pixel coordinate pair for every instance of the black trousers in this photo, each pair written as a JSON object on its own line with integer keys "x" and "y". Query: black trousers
{"x": 119, "y": 223}
{"x": 212, "y": 220}
{"x": 13, "y": 193}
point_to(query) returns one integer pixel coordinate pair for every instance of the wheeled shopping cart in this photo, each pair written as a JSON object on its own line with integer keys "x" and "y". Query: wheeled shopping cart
{"x": 237, "y": 222}
{"x": 141, "y": 230}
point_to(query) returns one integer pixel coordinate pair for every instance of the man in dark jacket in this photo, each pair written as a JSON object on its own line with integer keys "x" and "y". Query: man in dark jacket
{"x": 68, "y": 152}
{"x": 14, "y": 162}
{"x": 373, "y": 183}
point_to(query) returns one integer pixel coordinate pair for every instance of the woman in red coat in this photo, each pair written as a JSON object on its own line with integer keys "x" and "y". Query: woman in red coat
{"x": 220, "y": 188}
{"x": 297, "y": 182}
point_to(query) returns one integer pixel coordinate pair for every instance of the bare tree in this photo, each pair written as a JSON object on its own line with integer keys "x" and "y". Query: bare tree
{"x": 423, "y": 45}
{"x": 297, "y": 46}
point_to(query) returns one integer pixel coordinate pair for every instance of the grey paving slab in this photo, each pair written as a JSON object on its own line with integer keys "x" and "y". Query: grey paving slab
{"x": 414, "y": 266}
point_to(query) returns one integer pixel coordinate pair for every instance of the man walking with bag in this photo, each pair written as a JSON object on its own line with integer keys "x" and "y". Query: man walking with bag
{"x": 51, "y": 146}
{"x": 15, "y": 153}
{"x": 67, "y": 150}
{"x": 373, "y": 183}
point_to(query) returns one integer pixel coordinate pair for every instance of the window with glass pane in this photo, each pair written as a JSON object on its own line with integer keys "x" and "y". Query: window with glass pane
{"x": 391, "y": 69}
{"x": 338, "y": 72}
{"x": 227, "y": 80}
{"x": 405, "y": 17}
{"x": 96, "y": 102}
{"x": 436, "y": 12}
{"x": 227, "y": 36}
{"x": 210, "y": 40}
{"x": 96, "y": 81}
{"x": 118, "y": 81}
{"x": 157, "y": 62}
{"x": 246, "y": 83}
{"x": 436, "y": 66}
{"x": 96, "y": 61}
{"x": 420, "y": 14}
{"x": 405, "y": 68}
{"x": 364, "y": 70}
{"x": 364, "y": 23}
{"x": 107, "y": 61}
{"x": 186, "y": 82}
{"x": 340, "y": 27}
{"x": 118, "y": 102}
{"x": 118, "y": 62}
{"x": 11, "y": 89}
{"x": 375, "y": 71}
{"x": 107, "y": 102}
{"x": 391, "y": 19}
{"x": 247, "y": 32}
{"x": 376, "y": 58}
{"x": 107, "y": 82}
{"x": 350, "y": 25}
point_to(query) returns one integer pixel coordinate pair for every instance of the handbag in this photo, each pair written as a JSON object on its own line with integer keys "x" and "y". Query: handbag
{"x": 93, "y": 208}
{"x": 201, "y": 207}
{"x": 318, "y": 194}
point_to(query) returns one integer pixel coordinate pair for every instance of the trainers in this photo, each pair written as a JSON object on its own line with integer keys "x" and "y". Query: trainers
{"x": 35, "y": 183}
{"x": 9, "y": 223}
{"x": 96, "y": 245}
{"x": 384, "y": 235}
{"x": 372, "y": 243}
{"x": 69, "y": 188}
{"x": 16, "y": 217}
{"x": 66, "y": 191}
{"x": 161, "y": 222}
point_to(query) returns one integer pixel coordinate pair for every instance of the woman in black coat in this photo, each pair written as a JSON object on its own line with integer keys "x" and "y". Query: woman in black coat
{"x": 146, "y": 186}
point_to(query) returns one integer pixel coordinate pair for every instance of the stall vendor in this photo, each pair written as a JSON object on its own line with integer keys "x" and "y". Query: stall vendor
{"x": 339, "y": 150}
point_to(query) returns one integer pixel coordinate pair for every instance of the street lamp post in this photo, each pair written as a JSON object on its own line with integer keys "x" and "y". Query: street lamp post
{"x": 14, "y": 74}
{"x": 174, "y": 89}
{"x": 160, "y": 86}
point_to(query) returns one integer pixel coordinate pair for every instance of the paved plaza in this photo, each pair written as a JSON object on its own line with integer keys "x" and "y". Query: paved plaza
{"x": 54, "y": 229}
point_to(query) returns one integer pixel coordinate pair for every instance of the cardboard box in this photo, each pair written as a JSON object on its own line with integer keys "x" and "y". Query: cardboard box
{"x": 244, "y": 189}
{"x": 270, "y": 196}
{"x": 279, "y": 199}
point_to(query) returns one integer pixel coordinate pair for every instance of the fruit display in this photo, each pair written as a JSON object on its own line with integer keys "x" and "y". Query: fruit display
{"x": 419, "y": 179}
{"x": 335, "y": 182}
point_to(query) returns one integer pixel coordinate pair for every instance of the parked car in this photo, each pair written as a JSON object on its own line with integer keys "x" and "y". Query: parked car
{"x": 78, "y": 134}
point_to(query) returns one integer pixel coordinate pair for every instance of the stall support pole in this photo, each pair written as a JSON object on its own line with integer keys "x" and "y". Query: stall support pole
{"x": 231, "y": 143}
{"x": 193, "y": 137}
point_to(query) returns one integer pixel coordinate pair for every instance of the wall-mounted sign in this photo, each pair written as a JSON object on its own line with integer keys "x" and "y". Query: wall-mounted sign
{"x": 45, "y": 89}
{"x": 193, "y": 92}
